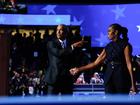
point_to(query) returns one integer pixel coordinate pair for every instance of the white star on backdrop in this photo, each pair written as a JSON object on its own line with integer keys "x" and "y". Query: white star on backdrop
{"x": 119, "y": 12}
{"x": 2, "y": 19}
{"x": 103, "y": 39}
{"x": 76, "y": 22}
{"x": 138, "y": 26}
{"x": 49, "y": 9}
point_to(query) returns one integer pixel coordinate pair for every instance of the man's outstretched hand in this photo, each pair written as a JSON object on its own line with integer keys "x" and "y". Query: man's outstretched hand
{"x": 79, "y": 43}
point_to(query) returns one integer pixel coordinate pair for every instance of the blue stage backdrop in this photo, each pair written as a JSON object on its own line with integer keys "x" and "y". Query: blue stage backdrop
{"x": 95, "y": 19}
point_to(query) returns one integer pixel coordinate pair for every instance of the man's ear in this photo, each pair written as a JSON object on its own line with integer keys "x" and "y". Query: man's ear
{"x": 116, "y": 32}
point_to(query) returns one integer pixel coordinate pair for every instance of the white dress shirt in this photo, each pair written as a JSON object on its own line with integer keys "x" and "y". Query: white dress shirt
{"x": 63, "y": 43}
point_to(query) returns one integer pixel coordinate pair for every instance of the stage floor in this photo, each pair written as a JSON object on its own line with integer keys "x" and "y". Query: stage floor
{"x": 86, "y": 99}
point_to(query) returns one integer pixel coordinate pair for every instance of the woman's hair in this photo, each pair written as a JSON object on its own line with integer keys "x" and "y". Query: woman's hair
{"x": 121, "y": 30}
{"x": 124, "y": 33}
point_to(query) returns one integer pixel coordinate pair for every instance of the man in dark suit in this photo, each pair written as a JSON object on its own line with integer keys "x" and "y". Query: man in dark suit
{"x": 60, "y": 56}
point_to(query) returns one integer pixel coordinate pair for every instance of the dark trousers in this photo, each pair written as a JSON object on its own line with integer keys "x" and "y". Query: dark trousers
{"x": 117, "y": 86}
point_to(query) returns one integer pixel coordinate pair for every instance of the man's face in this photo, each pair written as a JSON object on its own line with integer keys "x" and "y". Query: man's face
{"x": 61, "y": 32}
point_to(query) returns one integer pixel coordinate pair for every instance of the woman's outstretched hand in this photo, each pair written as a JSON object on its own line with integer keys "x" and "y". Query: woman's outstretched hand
{"x": 74, "y": 71}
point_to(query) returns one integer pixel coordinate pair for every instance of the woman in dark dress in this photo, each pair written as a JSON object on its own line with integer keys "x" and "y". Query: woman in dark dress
{"x": 117, "y": 57}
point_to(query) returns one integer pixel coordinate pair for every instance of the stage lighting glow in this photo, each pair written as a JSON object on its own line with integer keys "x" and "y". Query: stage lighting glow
{"x": 18, "y": 19}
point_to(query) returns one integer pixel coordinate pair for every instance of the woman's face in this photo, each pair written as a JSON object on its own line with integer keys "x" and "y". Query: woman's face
{"x": 111, "y": 33}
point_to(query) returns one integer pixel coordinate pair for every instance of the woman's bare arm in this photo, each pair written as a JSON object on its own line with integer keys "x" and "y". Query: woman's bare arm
{"x": 91, "y": 65}
{"x": 129, "y": 66}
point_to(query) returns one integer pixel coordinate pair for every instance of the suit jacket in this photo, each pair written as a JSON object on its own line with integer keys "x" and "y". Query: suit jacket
{"x": 60, "y": 61}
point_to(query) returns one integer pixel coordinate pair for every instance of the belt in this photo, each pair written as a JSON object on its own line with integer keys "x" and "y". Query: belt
{"x": 115, "y": 63}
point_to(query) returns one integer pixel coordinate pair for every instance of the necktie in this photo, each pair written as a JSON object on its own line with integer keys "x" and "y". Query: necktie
{"x": 63, "y": 44}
